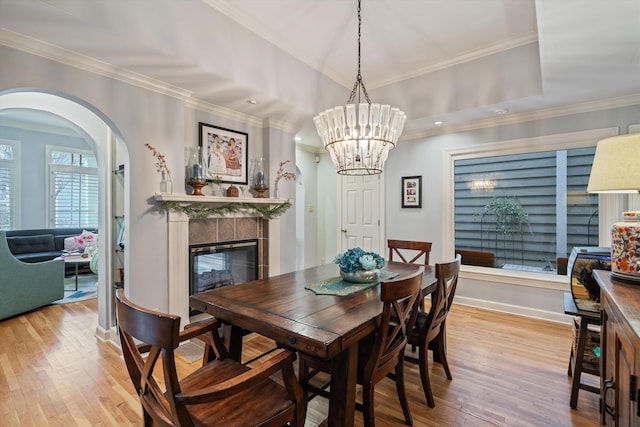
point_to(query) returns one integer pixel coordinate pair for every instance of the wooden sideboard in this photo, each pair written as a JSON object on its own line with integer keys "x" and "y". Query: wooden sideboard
{"x": 620, "y": 351}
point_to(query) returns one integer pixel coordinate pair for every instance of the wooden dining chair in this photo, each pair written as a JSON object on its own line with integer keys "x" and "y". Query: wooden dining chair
{"x": 406, "y": 249}
{"x": 381, "y": 353}
{"x": 222, "y": 392}
{"x": 429, "y": 331}
{"x": 477, "y": 258}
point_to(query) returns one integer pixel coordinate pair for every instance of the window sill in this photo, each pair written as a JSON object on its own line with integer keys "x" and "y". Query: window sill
{"x": 516, "y": 278}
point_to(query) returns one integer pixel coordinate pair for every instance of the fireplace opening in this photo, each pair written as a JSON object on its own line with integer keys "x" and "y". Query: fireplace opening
{"x": 214, "y": 265}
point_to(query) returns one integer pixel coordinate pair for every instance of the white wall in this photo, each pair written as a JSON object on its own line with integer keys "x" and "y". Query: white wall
{"x": 327, "y": 210}
{"x": 280, "y": 147}
{"x": 305, "y": 160}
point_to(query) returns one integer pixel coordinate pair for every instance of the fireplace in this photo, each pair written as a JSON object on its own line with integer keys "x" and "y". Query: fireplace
{"x": 184, "y": 232}
{"x": 218, "y": 264}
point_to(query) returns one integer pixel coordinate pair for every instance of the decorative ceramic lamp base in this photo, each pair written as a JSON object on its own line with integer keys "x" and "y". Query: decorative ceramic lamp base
{"x": 361, "y": 276}
{"x": 197, "y": 187}
{"x": 625, "y": 247}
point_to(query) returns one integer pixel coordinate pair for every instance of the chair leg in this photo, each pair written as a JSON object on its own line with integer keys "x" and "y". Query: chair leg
{"x": 424, "y": 375}
{"x": 400, "y": 388}
{"x": 148, "y": 421}
{"x": 442, "y": 354}
{"x": 575, "y": 382}
{"x": 367, "y": 406}
{"x": 569, "y": 372}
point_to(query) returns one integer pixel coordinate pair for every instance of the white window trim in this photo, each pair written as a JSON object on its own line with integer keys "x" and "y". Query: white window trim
{"x": 49, "y": 183}
{"x": 609, "y": 206}
{"x": 15, "y": 191}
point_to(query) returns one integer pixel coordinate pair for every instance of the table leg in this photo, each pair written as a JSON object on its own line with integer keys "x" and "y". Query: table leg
{"x": 577, "y": 363}
{"x": 76, "y": 276}
{"x": 342, "y": 403}
{"x": 235, "y": 342}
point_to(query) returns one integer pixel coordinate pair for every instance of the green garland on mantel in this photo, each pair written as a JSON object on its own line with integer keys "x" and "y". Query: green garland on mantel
{"x": 198, "y": 211}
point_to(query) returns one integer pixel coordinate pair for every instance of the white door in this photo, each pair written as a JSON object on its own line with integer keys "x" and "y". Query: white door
{"x": 361, "y": 213}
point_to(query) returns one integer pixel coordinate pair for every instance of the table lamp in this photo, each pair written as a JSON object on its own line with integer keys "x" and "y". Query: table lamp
{"x": 616, "y": 169}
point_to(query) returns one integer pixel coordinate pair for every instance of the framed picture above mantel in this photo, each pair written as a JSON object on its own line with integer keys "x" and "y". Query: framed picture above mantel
{"x": 412, "y": 191}
{"x": 225, "y": 154}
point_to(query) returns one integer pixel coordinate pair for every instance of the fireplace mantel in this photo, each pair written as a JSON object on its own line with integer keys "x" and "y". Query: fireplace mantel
{"x": 215, "y": 200}
{"x": 178, "y": 241}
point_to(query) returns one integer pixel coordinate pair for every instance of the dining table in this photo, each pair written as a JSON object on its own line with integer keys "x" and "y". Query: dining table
{"x": 328, "y": 327}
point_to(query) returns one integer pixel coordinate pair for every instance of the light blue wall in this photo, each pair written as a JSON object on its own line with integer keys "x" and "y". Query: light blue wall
{"x": 33, "y": 169}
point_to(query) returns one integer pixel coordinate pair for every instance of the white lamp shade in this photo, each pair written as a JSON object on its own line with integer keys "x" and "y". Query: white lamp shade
{"x": 616, "y": 165}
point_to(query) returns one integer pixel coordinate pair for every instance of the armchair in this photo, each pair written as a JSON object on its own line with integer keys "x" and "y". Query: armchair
{"x": 26, "y": 286}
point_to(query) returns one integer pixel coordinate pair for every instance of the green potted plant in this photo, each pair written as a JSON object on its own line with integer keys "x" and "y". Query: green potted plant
{"x": 508, "y": 213}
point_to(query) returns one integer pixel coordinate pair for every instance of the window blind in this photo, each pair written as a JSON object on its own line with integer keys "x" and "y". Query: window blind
{"x": 75, "y": 199}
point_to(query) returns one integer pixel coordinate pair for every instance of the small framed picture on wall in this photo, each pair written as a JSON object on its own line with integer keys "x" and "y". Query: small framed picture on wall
{"x": 412, "y": 191}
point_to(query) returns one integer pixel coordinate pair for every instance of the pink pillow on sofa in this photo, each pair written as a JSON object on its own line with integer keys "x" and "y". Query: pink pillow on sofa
{"x": 73, "y": 244}
{"x": 90, "y": 239}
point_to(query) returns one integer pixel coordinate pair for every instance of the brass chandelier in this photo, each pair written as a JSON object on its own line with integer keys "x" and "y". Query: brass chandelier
{"x": 358, "y": 136}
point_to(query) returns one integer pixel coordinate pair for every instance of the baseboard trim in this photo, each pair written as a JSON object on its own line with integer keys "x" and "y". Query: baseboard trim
{"x": 515, "y": 310}
{"x": 109, "y": 335}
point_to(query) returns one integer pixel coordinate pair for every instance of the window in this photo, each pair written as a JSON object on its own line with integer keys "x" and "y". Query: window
{"x": 74, "y": 188}
{"x": 525, "y": 202}
{"x": 526, "y": 209}
{"x": 8, "y": 184}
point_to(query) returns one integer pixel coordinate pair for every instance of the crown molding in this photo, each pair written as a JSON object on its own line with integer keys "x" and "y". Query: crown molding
{"x": 279, "y": 125}
{"x": 55, "y": 53}
{"x": 77, "y": 60}
{"x": 547, "y": 113}
{"x": 460, "y": 59}
{"x": 223, "y": 112}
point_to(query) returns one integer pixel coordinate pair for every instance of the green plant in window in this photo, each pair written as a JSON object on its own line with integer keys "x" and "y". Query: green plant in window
{"x": 508, "y": 213}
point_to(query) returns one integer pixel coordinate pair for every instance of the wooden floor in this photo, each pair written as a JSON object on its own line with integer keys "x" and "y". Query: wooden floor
{"x": 507, "y": 371}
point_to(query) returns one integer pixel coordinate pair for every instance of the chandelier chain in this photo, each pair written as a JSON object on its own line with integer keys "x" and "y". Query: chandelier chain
{"x": 359, "y": 84}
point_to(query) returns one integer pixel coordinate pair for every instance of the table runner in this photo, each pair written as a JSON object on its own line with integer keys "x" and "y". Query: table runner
{"x": 338, "y": 286}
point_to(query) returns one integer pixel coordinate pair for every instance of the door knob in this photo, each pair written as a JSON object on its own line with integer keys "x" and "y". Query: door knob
{"x": 344, "y": 230}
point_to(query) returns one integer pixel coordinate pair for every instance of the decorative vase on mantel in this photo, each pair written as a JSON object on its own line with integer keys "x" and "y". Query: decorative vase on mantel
{"x": 276, "y": 191}
{"x": 259, "y": 176}
{"x": 166, "y": 184}
{"x": 361, "y": 276}
{"x": 195, "y": 170}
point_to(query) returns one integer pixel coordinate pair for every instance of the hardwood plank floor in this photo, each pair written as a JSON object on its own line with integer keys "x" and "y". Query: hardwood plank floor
{"x": 507, "y": 371}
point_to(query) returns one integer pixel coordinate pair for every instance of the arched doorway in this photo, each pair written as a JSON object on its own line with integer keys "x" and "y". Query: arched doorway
{"x": 104, "y": 138}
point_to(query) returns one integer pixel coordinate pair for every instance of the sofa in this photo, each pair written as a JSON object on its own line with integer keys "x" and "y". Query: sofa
{"x": 27, "y": 286}
{"x": 41, "y": 244}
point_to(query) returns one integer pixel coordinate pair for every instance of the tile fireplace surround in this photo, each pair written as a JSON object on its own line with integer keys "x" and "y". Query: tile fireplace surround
{"x": 183, "y": 231}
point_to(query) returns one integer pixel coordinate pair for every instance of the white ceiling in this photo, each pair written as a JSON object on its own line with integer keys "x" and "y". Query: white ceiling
{"x": 454, "y": 60}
